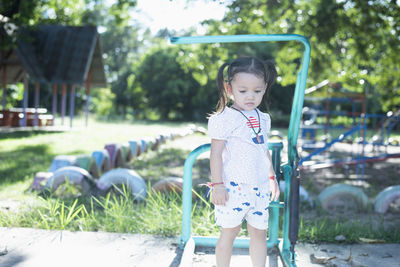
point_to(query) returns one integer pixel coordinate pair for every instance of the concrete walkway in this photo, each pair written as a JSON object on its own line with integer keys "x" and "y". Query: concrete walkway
{"x": 25, "y": 247}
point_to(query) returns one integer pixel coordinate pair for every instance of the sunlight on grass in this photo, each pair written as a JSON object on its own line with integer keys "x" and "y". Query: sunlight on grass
{"x": 25, "y": 153}
{"x": 22, "y": 154}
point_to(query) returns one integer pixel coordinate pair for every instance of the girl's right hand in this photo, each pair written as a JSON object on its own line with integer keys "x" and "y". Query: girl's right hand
{"x": 219, "y": 195}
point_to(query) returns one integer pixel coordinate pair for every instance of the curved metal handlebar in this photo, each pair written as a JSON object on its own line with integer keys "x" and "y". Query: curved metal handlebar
{"x": 298, "y": 98}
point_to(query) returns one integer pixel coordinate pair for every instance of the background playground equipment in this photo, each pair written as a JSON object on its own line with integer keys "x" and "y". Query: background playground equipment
{"x": 169, "y": 184}
{"x": 361, "y": 151}
{"x": 123, "y": 177}
{"x": 386, "y": 197}
{"x": 359, "y": 157}
{"x": 347, "y": 195}
{"x": 116, "y": 158}
{"x": 360, "y": 120}
{"x": 96, "y": 173}
{"x": 71, "y": 174}
{"x": 62, "y": 161}
{"x": 329, "y": 197}
{"x": 289, "y": 174}
{"x": 88, "y": 162}
{"x": 102, "y": 159}
{"x": 352, "y": 124}
{"x": 337, "y": 101}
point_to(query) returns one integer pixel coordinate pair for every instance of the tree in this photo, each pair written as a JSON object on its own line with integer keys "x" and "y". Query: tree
{"x": 168, "y": 86}
{"x": 120, "y": 39}
{"x": 355, "y": 42}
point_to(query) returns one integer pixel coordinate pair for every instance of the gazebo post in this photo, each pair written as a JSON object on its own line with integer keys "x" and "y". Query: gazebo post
{"x": 63, "y": 101}
{"x": 88, "y": 81}
{"x": 25, "y": 101}
{"x": 54, "y": 107}
{"x": 71, "y": 104}
{"x": 4, "y": 84}
{"x": 37, "y": 91}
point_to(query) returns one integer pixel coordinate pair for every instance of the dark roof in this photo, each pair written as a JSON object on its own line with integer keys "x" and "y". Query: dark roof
{"x": 60, "y": 54}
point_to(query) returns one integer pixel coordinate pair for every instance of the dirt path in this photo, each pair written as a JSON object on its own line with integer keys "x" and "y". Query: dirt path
{"x": 26, "y": 247}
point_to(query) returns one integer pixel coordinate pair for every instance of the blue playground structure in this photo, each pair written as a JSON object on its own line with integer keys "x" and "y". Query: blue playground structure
{"x": 357, "y": 134}
{"x": 287, "y": 171}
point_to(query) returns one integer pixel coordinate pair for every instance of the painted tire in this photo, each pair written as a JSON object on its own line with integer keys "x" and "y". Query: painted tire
{"x": 201, "y": 130}
{"x": 126, "y": 177}
{"x": 156, "y": 143}
{"x": 88, "y": 163}
{"x": 304, "y": 196}
{"x": 340, "y": 192}
{"x": 135, "y": 148}
{"x": 74, "y": 175}
{"x": 169, "y": 184}
{"x": 149, "y": 144}
{"x": 172, "y": 136}
{"x": 62, "y": 161}
{"x": 116, "y": 157}
{"x": 102, "y": 159}
{"x": 39, "y": 179}
{"x": 384, "y": 198}
{"x": 126, "y": 152}
{"x": 162, "y": 139}
{"x": 143, "y": 146}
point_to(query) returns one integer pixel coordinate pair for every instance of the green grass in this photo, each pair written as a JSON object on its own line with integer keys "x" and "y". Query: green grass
{"x": 160, "y": 214}
{"x": 25, "y": 153}
{"x": 326, "y": 229}
{"x": 22, "y": 154}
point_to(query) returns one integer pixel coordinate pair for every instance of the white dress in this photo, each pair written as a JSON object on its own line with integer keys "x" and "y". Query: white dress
{"x": 244, "y": 159}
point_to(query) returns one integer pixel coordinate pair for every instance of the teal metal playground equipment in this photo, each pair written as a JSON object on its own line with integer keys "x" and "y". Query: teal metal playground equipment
{"x": 287, "y": 171}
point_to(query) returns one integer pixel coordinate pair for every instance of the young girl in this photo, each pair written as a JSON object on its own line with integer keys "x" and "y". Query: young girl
{"x": 243, "y": 180}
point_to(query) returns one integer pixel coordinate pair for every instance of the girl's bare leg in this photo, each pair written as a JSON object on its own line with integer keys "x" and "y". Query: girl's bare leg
{"x": 258, "y": 246}
{"x": 223, "y": 249}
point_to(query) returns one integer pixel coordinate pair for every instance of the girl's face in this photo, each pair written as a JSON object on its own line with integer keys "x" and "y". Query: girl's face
{"x": 247, "y": 90}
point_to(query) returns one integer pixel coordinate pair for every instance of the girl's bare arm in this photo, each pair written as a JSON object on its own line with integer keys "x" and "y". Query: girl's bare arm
{"x": 219, "y": 195}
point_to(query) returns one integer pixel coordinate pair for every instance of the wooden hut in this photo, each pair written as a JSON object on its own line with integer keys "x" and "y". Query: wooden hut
{"x": 63, "y": 56}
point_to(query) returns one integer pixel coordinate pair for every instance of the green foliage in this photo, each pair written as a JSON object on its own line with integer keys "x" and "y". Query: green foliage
{"x": 326, "y": 230}
{"x": 15, "y": 93}
{"x": 167, "y": 85}
{"x": 102, "y": 103}
{"x": 354, "y": 42}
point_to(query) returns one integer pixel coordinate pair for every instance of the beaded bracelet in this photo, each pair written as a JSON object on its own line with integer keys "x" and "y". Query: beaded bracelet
{"x": 211, "y": 187}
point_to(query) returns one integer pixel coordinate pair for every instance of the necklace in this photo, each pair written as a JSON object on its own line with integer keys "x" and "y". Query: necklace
{"x": 251, "y": 124}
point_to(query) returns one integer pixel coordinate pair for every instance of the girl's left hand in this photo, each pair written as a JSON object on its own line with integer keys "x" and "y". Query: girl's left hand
{"x": 274, "y": 187}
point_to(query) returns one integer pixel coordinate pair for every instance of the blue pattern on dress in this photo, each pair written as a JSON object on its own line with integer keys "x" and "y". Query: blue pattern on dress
{"x": 233, "y": 183}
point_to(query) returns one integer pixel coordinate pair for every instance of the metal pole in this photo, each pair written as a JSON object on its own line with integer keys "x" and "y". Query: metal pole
{"x": 4, "y": 83}
{"x": 63, "y": 102}
{"x": 37, "y": 90}
{"x": 88, "y": 81}
{"x": 25, "y": 101}
{"x": 71, "y": 104}
{"x": 187, "y": 192}
{"x": 54, "y": 107}
{"x": 273, "y": 228}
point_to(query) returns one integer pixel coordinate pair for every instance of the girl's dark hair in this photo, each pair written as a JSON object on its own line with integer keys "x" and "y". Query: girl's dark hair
{"x": 265, "y": 70}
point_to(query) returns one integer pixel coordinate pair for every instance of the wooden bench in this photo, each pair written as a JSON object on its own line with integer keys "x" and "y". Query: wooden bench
{"x": 13, "y": 117}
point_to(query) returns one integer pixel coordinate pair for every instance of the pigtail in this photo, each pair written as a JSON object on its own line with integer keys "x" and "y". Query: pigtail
{"x": 270, "y": 77}
{"x": 270, "y": 73}
{"x": 223, "y": 96}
